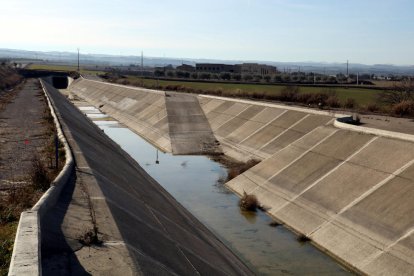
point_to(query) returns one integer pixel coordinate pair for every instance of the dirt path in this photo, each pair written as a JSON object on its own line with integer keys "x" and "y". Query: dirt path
{"x": 23, "y": 133}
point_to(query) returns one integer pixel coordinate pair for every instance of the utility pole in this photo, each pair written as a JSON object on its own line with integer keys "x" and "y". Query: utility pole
{"x": 78, "y": 61}
{"x": 142, "y": 63}
{"x": 347, "y": 67}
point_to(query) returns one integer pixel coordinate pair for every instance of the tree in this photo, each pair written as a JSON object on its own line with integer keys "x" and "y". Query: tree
{"x": 159, "y": 73}
{"x": 267, "y": 78}
{"x": 225, "y": 76}
{"x": 247, "y": 77}
{"x": 236, "y": 77}
{"x": 399, "y": 93}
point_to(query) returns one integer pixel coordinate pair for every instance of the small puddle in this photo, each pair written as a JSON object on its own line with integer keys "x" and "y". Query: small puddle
{"x": 196, "y": 182}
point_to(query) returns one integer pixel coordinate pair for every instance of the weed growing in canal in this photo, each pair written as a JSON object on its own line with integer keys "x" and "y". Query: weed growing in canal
{"x": 303, "y": 238}
{"x": 248, "y": 202}
{"x": 90, "y": 237}
{"x": 274, "y": 224}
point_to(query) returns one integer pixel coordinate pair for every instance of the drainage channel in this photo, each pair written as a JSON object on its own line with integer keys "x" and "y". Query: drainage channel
{"x": 197, "y": 183}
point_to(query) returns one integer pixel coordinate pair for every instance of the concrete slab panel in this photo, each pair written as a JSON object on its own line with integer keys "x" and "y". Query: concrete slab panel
{"x": 250, "y": 112}
{"x": 286, "y": 138}
{"x": 229, "y": 127}
{"x": 260, "y": 138}
{"x": 211, "y": 105}
{"x": 385, "y": 154}
{"x": 303, "y": 172}
{"x": 342, "y": 186}
{"x": 243, "y": 131}
{"x": 385, "y": 212}
{"x": 346, "y": 244}
{"x": 267, "y": 168}
{"x": 311, "y": 122}
{"x": 342, "y": 144}
{"x": 313, "y": 137}
{"x": 268, "y": 114}
{"x": 287, "y": 119}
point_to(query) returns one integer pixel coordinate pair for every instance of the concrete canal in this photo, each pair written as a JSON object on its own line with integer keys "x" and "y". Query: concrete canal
{"x": 197, "y": 183}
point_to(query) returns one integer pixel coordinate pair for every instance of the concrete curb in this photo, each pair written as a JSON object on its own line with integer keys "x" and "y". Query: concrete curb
{"x": 26, "y": 258}
{"x": 378, "y": 132}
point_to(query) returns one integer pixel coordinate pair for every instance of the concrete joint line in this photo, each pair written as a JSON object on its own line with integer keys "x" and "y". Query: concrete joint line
{"x": 364, "y": 195}
{"x": 371, "y": 258}
{"x": 231, "y": 118}
{"x": 283, "y": 132}
{"x": 300, "y": 156}
{"x": 262, "y": 127}
{"x": 328, "y": 173}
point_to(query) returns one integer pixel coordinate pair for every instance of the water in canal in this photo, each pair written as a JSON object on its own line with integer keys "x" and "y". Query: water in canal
{"x": 195, "y": 182}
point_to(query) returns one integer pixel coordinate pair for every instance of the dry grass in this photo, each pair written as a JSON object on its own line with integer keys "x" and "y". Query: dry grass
{"x": 90, "y": 237}
{"x": 239, "y": 168}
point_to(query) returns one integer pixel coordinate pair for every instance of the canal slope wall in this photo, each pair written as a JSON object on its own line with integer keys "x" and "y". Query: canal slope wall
{"x": 351, "y": 192}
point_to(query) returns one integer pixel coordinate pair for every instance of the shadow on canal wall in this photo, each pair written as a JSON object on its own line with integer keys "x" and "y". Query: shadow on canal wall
{"x": 350, "y": 192}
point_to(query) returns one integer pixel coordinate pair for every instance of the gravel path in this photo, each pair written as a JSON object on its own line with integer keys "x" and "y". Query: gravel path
{"x": 23, "y": 133}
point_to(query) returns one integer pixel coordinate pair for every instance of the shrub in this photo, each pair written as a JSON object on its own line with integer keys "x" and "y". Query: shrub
{"x": 333, "y": 101}
{"x": 38, "y": 175}
{"x": 403, "y": 108}
{"x": 350, "y": 103}
{"x": 289, "y": 93}
{"x": 248, "y": 202}
{"x": 240, "y": 168}
{"x": 372, "y": 107}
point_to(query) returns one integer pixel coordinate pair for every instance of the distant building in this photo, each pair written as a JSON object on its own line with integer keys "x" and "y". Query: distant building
{"x": 257, "y": 69}
{"x": 244, "y": 68}
{"x": 186, "y": 68}
{"x": 215, "y": 68}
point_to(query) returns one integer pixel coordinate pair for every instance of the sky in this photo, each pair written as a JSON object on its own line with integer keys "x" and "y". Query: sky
{"x": 361, "y": 31}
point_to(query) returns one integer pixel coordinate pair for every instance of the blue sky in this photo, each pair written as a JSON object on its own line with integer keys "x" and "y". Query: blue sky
{"x": 363, "y": 31}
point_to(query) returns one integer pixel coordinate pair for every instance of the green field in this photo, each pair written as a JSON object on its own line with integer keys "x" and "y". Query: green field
{"x": 62, "y": 68}
{"x": 361, "y": 96}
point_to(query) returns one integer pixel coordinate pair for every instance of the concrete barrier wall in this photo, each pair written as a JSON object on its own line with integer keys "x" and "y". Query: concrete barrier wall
{"x": 142, "y": 110}
{"x": 26, "y": 257}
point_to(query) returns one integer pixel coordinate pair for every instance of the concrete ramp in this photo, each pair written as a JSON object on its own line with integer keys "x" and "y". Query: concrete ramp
{"x": 189, "y": 129}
